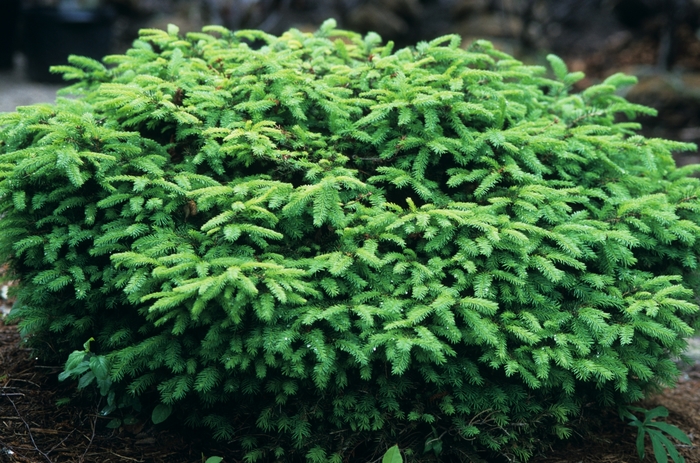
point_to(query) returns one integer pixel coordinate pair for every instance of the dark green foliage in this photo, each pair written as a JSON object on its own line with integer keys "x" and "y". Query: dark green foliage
{"x": 316, "y": 242}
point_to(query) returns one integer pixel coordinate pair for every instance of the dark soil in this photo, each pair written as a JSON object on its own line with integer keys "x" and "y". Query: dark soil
{"x": 34, "y": 429}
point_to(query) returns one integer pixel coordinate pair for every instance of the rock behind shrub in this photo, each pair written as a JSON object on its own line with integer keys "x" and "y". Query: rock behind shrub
{"x": 312, "y": 243}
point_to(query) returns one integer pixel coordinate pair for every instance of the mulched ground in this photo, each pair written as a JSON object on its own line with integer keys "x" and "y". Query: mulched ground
{"x": 33, "y": 429}
{"x": 615, "y": 441}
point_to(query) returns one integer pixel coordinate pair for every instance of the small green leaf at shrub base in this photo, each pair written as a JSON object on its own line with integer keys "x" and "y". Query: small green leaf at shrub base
{"x": 161, "y": 413}
{"x": 341, "y": 244}
{"x": 393, "y": 455}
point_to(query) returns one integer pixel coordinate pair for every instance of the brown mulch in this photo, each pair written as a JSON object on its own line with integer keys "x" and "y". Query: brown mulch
{"x": 34, "y": 429}
{"x": 615, "y": 441}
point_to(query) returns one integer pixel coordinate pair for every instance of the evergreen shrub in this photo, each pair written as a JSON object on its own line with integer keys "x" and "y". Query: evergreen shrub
{"x": 313, "y": 242}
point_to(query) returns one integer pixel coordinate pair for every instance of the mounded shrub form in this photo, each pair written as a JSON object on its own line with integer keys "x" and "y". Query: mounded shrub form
{"x": 313, "y": 243}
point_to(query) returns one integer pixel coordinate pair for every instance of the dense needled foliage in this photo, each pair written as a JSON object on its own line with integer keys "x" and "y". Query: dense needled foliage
{"x": 312, "y": 242}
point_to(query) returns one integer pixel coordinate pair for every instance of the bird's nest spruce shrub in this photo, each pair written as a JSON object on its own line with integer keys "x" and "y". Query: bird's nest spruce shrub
{"x": 313, "y": 242}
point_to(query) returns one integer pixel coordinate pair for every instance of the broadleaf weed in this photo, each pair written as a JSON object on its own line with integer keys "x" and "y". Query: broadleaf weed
{"x": 662, "y": 446}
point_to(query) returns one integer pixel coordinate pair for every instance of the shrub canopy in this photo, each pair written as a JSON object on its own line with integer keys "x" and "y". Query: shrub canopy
{"x": 310, "y": 242}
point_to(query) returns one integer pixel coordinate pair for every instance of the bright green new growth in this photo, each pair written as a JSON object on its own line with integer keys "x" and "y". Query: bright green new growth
{"x": 312, "y": 242}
